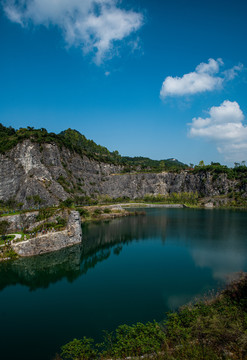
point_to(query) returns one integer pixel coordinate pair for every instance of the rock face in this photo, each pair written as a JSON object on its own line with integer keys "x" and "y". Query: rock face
{"x": 18, "y": 222}
{"x": 52, "y": 241}
{"x": 34, "y": 174}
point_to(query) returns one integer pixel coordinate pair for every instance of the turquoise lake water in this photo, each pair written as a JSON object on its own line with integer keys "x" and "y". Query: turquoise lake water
{"x": 128, "y": 270}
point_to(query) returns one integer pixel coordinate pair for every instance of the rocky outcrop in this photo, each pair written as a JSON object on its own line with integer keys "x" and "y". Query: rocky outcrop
{"x": 138, "y": 185}
{"x": 32, "y": 174}
{"x": 35, "y": 175}
{"x": 53, "y": 241}
{"x": 20, "y": 221}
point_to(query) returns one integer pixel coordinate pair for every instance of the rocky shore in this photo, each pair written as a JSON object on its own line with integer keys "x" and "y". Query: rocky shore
{"x": 51, "y": 241}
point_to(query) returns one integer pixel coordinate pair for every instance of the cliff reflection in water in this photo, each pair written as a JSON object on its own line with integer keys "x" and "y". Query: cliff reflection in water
{"x": 43, "y": 270}
{"x": 215, "y": 240}
{"x": 99, "y": 239}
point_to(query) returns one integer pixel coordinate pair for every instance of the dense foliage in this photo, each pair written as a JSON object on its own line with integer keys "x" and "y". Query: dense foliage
{"x": 135, "y": 340}
{"x": 208, "y": 330}
{"x": 149, "y": 165}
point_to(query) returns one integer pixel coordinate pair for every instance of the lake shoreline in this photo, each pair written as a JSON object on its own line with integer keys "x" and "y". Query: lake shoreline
{"x": 95, "y": 213}
{"x": 195, "y": 331}
{"x": 133, "y": 269}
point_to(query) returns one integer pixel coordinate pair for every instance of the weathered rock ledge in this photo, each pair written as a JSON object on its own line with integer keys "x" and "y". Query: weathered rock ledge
{"x": 53, "y": 241}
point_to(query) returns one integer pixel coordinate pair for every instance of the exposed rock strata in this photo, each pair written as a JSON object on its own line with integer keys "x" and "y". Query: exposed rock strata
{"x": 52, "y": 241}
{"x": 30, "y": 173}
{"x": 19, "y": 221}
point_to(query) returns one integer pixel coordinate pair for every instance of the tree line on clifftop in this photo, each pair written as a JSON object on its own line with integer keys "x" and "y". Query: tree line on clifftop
{"x": 73, "y": 140}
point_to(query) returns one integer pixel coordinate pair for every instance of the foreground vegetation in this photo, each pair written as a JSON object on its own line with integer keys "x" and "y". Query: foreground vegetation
{"x": 213, "y": 329}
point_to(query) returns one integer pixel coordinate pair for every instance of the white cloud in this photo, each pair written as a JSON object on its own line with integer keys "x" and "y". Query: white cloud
{"x": 224, "y": 126}
{"x": 221, "y": 263}
{"x": 93, "y": 25}
{"x": 230, "y": 74}
{"x": 204, "y": 78}
{"x": 212, "y": 67}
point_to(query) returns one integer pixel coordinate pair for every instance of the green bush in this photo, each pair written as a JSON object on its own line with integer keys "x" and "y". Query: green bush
{"x": 135, "y": 340}
{"x": 193, "y": 351}
{"x": 84, "y": 212}
{"x": 79, "y": 350}
{"x": 61, "y": 221}
{"x": 67, "y": 203}
{"x": 107, "y": 211}
{"x": 97, "y": 212}
{"x": 44, "y": 213}
{"x": 8, "y": 252}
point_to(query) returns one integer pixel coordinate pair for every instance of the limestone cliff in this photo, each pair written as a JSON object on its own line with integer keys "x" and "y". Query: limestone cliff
{"x": 46, "y": 174}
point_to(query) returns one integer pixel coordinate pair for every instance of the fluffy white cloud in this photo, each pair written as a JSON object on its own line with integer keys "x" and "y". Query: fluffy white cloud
{"x": 225, "y": 126}
{"x": 93, "y": 25}
{"x": 204, "y": 78}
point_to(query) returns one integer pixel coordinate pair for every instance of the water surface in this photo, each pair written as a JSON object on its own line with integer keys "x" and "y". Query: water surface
{"x": 127, "y": 270}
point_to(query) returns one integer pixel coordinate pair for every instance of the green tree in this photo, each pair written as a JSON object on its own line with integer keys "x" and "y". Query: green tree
{"x": 162, "y": 164}
{"x": 4, "y": 225}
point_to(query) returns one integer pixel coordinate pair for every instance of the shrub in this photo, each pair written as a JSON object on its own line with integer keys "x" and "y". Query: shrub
{"x": 107, "y": 211}
{"x": 61, "y": 221}
{"x": 37, "y": 199}
{"x": 9, "y": 253}
{"x": 97, "y": 212}
{"x": 67, "y": 203}
{"x": 135, "y": 340}
{"x": 44, "y": 213}
{"x": 79, "y": 350}
{"x": 84, "y": 212}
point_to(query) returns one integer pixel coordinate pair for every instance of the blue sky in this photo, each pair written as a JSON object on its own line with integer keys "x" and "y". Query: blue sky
{"x": 98, "y": 67}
